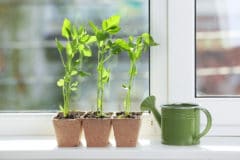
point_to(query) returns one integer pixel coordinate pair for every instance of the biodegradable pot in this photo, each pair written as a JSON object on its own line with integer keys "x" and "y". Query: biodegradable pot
{"x": 68, "y": 132}
{"x": 126, "y": 131}
{"x": 97, "y": 131}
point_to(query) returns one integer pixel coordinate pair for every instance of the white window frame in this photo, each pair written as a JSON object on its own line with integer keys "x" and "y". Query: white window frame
{"x": 181, "y": 66}
{"x": 171, "y": 77}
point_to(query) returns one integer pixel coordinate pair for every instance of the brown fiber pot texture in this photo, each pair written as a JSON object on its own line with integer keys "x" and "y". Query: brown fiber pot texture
{"x": 97, "y": 131}
{"x": 126, "y": 131}
{"x": 68, "y": 132}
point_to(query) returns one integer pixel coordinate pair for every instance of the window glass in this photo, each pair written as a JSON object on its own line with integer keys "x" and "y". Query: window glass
{"x": 30, "y": 64}
{"x": 217, "y": 48}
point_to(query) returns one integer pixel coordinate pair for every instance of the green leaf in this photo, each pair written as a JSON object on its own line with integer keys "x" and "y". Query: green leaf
{"x": 94, "y": 27}
{"x": 139, "y": 51}
{"x": 87, "y": 52}
{"x": 114, "y": 30}
{"x": 69, "y": 49}
{"x": 123, "y": 44}
{"x": 116, "y": 50}
{"x": 74, "y": 32}
{"x": 74, "y": 46}
{"x": 130, "y": 39}
{"x": 66, "y": 27}
{"x": 111, "y": 24}
{"x": 110, "y": 43}
{"x": 106, "y": 75}
{"x": 139, "y": 40}
{"x": 148, "y": 39}
{"x": 84, "y": 74}
{"x": 74, "y": 72}
{"x": 76, "y": 63}
{"x": 81, "y": 47}
{"x": 75, "y": 84}
{"x": 60, "y": 83}
{"x": 148, "y": 103}
{"x": 104, "y": 25}
{"x": 92, "y": 39}
{"x": 59, "y": 46}
{"x": 81, "y": 30}
{"x": 125, "y": 86}
{"x": 73, "y": 88}
{"x": 85, "y": 38}
{"x": 118, "y": 46}
{"x": 102, "y": 36}
{"x": 101, "y": 43}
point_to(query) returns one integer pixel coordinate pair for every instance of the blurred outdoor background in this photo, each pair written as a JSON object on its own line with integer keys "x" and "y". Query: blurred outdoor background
{"x": 218, "y": 47}
{"x": 30, "y": 64}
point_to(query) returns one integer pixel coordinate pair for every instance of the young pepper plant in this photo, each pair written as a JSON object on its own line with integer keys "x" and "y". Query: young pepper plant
{"x": 135, "y": 48}
{"x": 76, "y": 48}
{"x": 106, "y": 49}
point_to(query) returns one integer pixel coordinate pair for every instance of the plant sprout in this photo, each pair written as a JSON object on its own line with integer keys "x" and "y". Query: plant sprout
{"x": 76, "y": 48}
{"x": 135, "y": 49}
{"x": 106, "y": 49}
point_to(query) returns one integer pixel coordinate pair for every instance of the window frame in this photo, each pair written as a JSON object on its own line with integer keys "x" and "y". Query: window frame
{"x": 166, "y": 80}
{"x": 182, "y": 88}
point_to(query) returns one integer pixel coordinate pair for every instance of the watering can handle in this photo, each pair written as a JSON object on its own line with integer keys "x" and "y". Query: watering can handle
{"x": 209, "y": 122}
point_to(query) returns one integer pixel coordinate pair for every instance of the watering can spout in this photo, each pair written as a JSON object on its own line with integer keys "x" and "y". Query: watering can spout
{"x": 148, "y": 104}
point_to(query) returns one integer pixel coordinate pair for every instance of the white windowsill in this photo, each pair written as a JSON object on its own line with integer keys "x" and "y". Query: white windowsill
{"x": 42, "y": 148}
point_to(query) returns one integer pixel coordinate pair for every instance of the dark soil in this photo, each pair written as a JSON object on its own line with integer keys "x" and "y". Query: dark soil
{"x": 96, "y": 115}
{"x": 71, "y": 115}
{"x": 132, "y": 115}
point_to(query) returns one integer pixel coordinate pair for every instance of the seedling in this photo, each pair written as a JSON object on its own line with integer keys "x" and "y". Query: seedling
{"x": 75, "y": 49}
{"x": 106, "y": 49}
{"x": 135, "y": 48}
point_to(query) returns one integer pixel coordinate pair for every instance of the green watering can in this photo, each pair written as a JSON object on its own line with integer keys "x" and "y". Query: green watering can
{"x": 179, "y": 123}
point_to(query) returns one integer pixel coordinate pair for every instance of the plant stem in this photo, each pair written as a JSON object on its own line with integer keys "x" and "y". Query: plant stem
{"x": 100, "y": 96}
{"x": 128, "y": 96}
{"x": 102, "y": 92}
{"x": 108, "y": 57}
{"x": 67, "y": 87}
{"x": 100, "y": 84}
{"x": 67, "y": 93}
